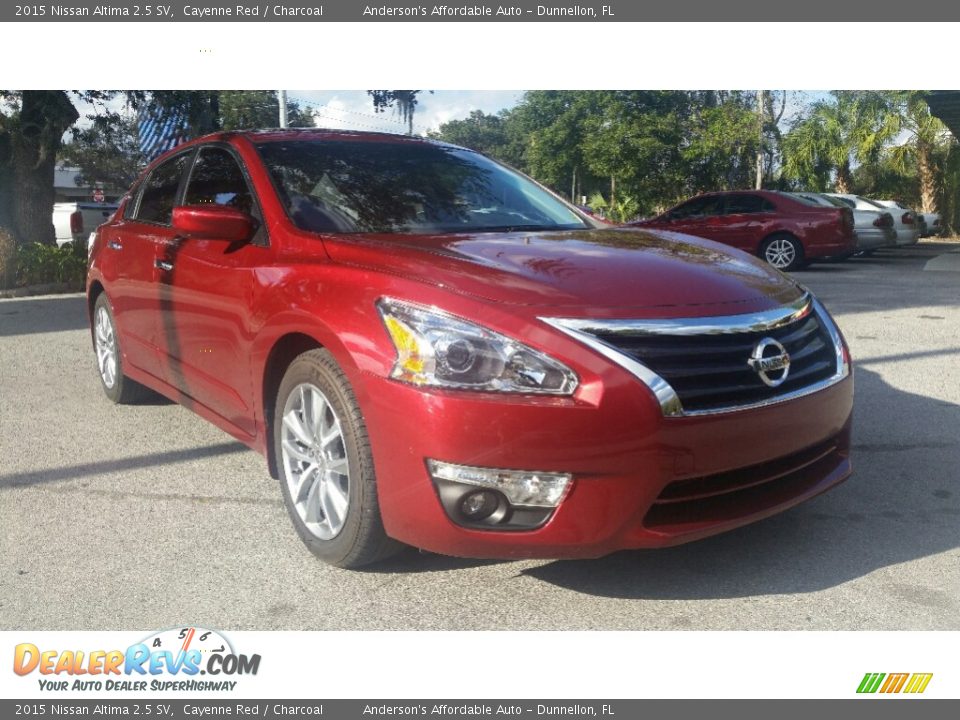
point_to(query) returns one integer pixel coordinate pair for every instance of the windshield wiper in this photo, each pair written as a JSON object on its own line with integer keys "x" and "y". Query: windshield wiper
{"x": 527, "y": 228}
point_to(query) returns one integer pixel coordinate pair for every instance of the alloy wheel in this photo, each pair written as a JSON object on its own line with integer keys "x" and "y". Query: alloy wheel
{"x": 315, "y": 464}
{"x": 780, "y": 253}
{"x": 106, "y": 346}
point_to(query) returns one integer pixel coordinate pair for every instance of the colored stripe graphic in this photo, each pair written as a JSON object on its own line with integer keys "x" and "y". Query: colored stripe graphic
{"x": 894, "y": 683}
{"x": 918, "y": 683}
{"x": 870, "y": 682}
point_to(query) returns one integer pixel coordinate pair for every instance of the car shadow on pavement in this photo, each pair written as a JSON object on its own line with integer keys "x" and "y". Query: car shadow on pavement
{"x": 28, "y": 316}
{"x": 901, "y": 504}
{"x": 101, "y": 467}
{"x": 411, "y": 561}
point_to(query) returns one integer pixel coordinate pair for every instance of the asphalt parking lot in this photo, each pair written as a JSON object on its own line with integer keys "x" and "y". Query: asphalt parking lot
{"x": 148, "y": 517}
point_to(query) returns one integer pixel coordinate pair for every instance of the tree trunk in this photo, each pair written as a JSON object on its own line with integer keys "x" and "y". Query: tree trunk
{"x": 32, "y": 139}
{"x": 613, "y": 192}
{"x": 844, "y": 181}
{"x": 759, "y": 183}
{"x": 928, "y": 181}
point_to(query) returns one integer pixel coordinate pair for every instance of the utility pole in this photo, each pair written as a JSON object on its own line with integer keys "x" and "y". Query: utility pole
{"x": 283, "y": 107}
{"x": 759, "y": 140}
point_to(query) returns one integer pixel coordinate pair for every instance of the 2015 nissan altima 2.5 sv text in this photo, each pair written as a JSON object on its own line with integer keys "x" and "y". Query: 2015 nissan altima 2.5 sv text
{"x": 431, "y": 349}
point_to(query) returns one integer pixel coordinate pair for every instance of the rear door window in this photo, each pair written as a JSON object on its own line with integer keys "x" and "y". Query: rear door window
{"x": 697, "y": 208}
{"x": 745, "y": 204}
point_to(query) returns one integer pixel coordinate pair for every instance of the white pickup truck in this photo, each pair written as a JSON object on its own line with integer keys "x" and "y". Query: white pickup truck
{"x": 74, "y": 221}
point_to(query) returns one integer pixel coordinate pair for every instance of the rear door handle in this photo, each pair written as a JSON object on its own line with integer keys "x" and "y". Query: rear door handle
{"x": 163, "y": 265}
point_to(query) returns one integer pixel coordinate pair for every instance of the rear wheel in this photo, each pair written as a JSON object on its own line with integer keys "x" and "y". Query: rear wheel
{"x": 783, "y": 251}
{"x": 323, "y": 454}
{"x": 116, "y": 386}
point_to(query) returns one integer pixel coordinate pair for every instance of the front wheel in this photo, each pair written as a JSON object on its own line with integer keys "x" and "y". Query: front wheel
{"x": 326, "y": 470}
{"x": 783, "y": 251}
{"x": 116, "y": 386}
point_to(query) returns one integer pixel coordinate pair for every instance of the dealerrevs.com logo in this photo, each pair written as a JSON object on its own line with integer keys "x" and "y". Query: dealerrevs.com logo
{"x": 909, "y": 683}
{"x": 167, "y": 660}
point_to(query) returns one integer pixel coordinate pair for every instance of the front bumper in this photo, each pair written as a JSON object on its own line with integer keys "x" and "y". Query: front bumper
{"x": 640, "y": 480}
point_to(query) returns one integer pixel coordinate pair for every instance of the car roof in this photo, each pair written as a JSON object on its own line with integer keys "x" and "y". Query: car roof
{"x": 741, "y": 192}
{"x": 329, "y": 134}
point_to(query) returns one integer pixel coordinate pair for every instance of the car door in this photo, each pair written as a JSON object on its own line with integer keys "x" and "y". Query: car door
{"x": 206, "y": 319}
{"x": 700, "y": 217}
{"x": 684, "y": 218}
{"x": 131, "y": 246}
{"x": 744, "y": 220}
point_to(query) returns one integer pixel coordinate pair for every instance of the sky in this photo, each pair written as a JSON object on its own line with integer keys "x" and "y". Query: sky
{"x": 353, "y": 109}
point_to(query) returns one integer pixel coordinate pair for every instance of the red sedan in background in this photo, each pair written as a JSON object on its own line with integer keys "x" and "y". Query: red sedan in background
{"x": 431, "y": 348}
{"x": 783, "y": 229}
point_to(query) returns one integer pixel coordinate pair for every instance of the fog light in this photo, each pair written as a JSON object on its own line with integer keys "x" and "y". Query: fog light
{"x": 479, "y": 505}
{"x": 521, "y": 488}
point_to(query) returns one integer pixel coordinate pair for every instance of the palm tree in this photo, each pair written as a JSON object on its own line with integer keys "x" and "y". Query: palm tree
{"x": 852, "y": 127}
{"x": 927, "y": 135}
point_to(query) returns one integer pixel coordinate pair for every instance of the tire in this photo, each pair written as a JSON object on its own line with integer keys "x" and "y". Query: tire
{"x": 116, "y": 386}
{"x": 783, "y": 251}
{"x": 318, "y": 429}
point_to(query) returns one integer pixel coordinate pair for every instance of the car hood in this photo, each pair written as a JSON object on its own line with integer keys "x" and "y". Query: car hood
{"x": 600, "y": 272}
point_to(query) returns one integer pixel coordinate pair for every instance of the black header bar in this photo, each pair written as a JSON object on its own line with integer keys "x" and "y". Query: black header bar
{"x": 477, "y": 11}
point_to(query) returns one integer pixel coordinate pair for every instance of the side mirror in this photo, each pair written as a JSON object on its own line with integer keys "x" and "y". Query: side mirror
{"x": 213, "y": 222}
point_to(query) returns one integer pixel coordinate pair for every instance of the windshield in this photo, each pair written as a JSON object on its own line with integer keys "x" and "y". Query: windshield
{"x": 406, "y": 187}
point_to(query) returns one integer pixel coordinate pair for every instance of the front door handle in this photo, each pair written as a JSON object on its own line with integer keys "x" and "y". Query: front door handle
{"x": 163, "y": 265}
{"x": 114, "y": 245}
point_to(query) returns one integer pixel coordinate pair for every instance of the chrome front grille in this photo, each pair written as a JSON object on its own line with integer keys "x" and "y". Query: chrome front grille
{"x": 711, "y": 371}
{"x": 703, "y": 365}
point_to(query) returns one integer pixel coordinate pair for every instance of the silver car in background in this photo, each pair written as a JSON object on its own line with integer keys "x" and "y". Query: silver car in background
{"x": 873, "y": 227}
{"x": 930, "y": 223}
{"x": 904, "y": 219}
{"x": 934, "y": 224}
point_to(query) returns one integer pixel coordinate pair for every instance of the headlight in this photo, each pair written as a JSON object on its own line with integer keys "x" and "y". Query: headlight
{"x": 435, "y": 348}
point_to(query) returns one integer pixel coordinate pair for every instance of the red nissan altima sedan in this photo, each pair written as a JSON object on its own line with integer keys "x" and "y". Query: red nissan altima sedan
{"x": 784, "y": 229}
{"x": 431, "y": 349}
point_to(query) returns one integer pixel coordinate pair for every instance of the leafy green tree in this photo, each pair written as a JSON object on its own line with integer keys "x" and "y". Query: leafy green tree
{"x": 629, "y": 137}
{"x": 851, "y": 127}
{"x": 721, "y": 145}
{"x": 552, "y": 127}
{"x": 107, "y": 151}
{"x": 478, "y": 131}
